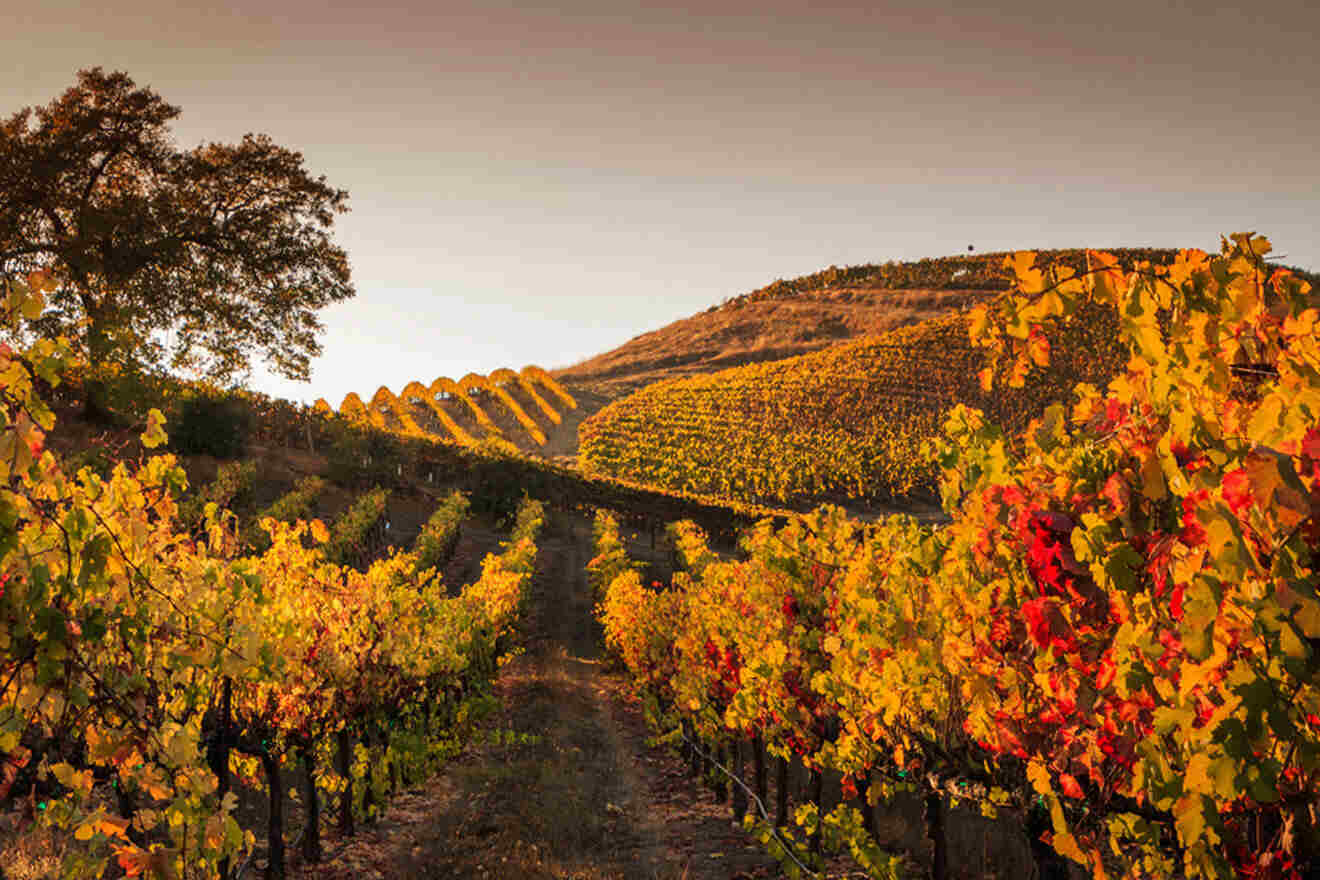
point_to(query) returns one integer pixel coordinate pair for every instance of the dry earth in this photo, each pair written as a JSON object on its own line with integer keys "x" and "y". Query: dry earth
{"x": 564, "y": 784}
{"x": 740, "y": 333}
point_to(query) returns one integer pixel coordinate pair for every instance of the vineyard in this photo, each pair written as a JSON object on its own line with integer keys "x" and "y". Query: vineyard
{"x": 847, "y": 422}
{"x": 976, "y": 567}
{"x": 440, "y": 410}
{"x": 157, "y": 654}
{"x": 1113, "y": 643}
{"x": 1105, "y": 653}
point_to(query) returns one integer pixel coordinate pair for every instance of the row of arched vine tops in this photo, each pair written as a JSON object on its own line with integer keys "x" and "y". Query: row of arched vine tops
{"x": 404, "y": 412}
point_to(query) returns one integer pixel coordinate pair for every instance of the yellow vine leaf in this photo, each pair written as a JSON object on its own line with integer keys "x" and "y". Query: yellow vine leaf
{"x": 154, "y": 435}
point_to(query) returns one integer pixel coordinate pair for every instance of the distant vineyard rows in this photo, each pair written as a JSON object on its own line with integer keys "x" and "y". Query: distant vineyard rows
{"x": 419, "y": 410}
{"x": 848, "y": 421}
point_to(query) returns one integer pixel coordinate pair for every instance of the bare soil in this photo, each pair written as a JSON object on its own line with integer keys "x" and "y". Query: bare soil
{"x": 563, "y": 783}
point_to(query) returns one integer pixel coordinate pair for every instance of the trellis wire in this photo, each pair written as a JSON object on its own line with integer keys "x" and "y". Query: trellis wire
{"x": 788, "y": 848}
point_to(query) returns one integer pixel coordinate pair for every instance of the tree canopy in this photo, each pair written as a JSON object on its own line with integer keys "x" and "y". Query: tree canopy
{"x": 166, "y": 258}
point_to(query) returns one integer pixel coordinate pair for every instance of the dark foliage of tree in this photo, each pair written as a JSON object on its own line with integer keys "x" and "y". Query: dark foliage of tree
{"x": 166, "y": 258}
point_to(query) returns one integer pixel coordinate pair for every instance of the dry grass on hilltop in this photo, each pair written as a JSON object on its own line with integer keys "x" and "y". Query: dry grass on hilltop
{"x": 744, "y": 332}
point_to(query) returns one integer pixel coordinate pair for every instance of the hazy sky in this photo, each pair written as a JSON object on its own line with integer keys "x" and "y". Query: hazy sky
{"x": 537, "y": 186}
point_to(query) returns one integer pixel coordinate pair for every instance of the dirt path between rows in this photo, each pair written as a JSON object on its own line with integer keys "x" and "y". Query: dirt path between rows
{"x": 564, "y": 784}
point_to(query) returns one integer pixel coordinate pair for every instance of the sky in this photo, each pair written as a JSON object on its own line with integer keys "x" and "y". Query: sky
{"x": 539, "y": 185}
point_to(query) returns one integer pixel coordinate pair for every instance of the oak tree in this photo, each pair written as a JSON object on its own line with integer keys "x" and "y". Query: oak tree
{"x": 192, "y": 259}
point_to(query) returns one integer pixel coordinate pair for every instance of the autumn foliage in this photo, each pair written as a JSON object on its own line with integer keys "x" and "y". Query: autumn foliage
{"x": 1117, "y": 633}
{"x": 142, "y": 662}
{"x": 846, "y": 422}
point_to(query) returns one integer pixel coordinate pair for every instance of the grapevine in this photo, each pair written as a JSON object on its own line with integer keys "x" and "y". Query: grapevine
{"x": 1116, "y": 634}
{"x": 141, "y": 666}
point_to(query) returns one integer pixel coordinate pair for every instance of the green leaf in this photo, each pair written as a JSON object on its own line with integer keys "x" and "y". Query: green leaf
{"x": 1306, "y": 614}
{"x": 33, "y": 304}
{"x": 1152, "y": 476}
{"x": 1121, "y": 567}
{"x": 1276, "y": 488}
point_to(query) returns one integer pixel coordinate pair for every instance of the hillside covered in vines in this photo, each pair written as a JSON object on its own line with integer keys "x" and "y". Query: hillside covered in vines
{"x": 847, "y": 422}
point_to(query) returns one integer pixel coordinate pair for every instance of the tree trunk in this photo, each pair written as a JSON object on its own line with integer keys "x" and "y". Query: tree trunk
{"x": 275, "y": 830}
{"x": 127, "y": 808}
{"x": 311, "y": 845}
{"x": 96, "y": 403}
{"x": 370, "y": 807}
{"x": 720, "y": 785}
{"x": 217, "y": 756}
{"x": 1305, "y": 849}
{"x": 864, "y": 804}
{"x": 1049, "y": 864}
{"x": 939, "y": 858}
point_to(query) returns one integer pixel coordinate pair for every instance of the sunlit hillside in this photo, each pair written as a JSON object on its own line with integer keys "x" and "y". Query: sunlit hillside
{"x": 848, "y": 422}
{"x": 809, "y": 313}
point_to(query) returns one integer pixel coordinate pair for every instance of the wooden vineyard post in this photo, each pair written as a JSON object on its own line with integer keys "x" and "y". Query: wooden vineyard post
{"x": 758, "y": 769}
{"x": 781, "y": 792}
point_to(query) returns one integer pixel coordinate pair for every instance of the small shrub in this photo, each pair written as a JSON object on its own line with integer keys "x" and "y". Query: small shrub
{"x": 359, "y": 456}
{"x": 206, "y": 425}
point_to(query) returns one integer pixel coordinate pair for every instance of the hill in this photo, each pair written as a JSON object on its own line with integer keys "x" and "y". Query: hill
{"x": 796, "y": 316}
{"x": 541, "y": 414}
{"x": 746, "y": 330}
{"x": 843, "y": 424}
